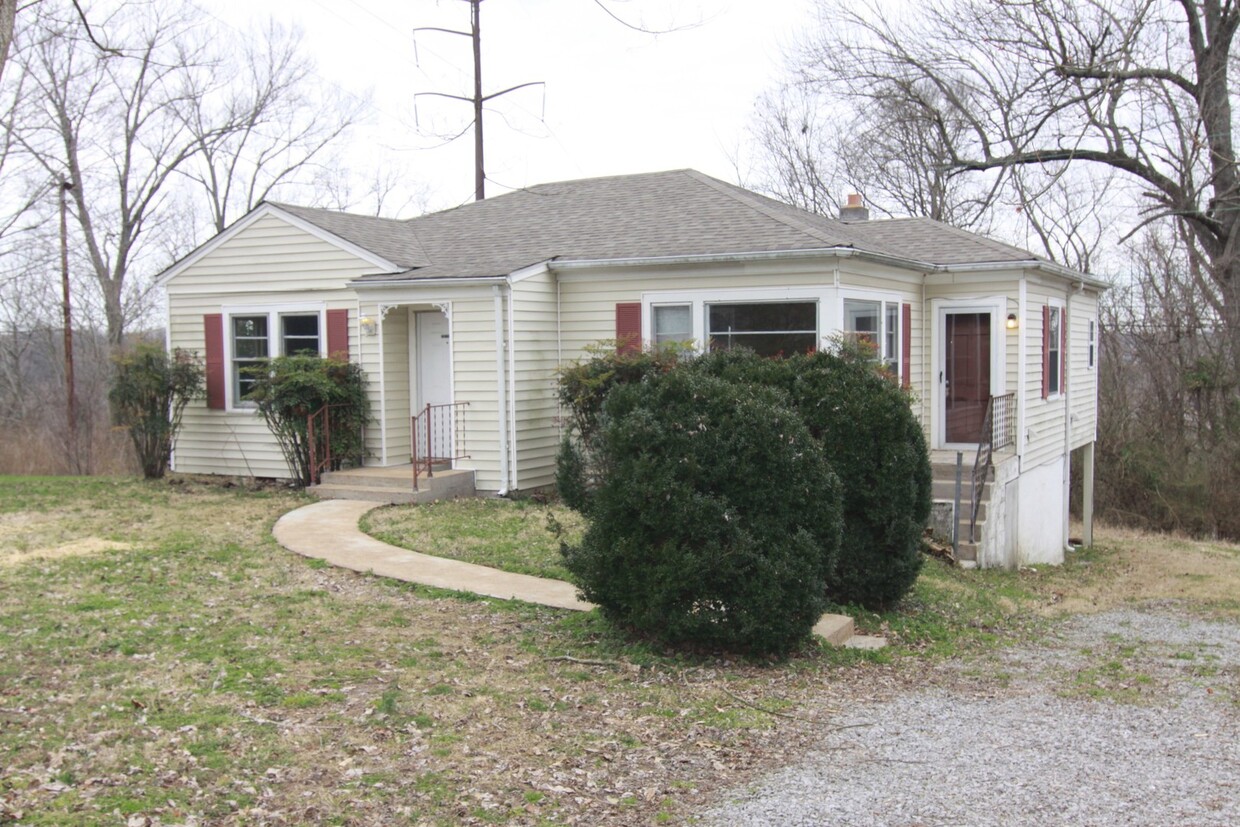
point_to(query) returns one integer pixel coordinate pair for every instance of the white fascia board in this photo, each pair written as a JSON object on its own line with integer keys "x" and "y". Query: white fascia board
{"x": 261, "y": 211}
{"x": 529, "y": 272}
{"x": 463, "y": 281}
{"x": 835, "y": 252}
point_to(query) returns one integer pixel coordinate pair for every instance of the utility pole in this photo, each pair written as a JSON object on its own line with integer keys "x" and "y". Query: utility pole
{"x": 70, "y": 397}
{"x": 477, "y": 99}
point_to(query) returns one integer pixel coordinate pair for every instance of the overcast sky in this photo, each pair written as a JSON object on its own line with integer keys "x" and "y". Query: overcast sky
{"x": 615, "y": 101}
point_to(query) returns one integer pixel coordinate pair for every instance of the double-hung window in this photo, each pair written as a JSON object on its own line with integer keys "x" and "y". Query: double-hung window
{"x": 1052, "y": 343}
{"x": 672, "y": 323}
{"x": 768, "y": 329}
{"x": 256, "y": 336}
{"x": 877, "y": 324}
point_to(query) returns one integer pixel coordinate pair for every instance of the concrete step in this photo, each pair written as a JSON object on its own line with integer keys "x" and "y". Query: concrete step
{"x": 943, "y": 490}
{"x": 376, "y": 494}
{"x": 395, "y": 486}
{"x": 399, "y": 477}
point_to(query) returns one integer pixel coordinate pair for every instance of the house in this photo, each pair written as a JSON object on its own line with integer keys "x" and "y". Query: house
{"x": 475, "y": 307}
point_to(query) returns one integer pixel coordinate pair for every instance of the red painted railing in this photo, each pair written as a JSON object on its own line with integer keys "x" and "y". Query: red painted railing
{"x": 437, "y": 437}
{"x": 319, "y": 437}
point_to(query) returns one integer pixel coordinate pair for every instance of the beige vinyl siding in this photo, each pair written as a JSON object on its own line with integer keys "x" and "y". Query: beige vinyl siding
{"x": 534, "y": 392}
{"x": 271, "y": 255}
{"x": 472, "y": 327}
{"x": 1082, "y": 379}
{"x": 397, "y": 404}
{"x": 1044, "y": 418}
{"x": 233, "y": 442}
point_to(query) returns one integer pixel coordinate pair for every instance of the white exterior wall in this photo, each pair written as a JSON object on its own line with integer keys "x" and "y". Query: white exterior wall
{"x": 1039, "y": 516}
{"x": 1082, "y": 377}
{"x": 534, "y": 358}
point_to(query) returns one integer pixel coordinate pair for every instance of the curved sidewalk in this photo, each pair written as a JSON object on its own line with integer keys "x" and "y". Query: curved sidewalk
{"x": 328, "y": 531}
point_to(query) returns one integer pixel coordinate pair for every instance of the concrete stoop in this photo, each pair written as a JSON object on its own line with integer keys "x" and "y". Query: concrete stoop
{"x": 394, "y": 485}
{"x": 943, "y": 490}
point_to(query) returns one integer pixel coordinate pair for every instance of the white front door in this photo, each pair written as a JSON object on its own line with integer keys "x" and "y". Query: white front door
{"x": 434, "y": 359}
{"x": 434, "y": 380}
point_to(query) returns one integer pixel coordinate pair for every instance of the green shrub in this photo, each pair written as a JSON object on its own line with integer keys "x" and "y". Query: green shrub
{"x": 717, "y": 520}
{"x": 874, "y": 443}
{"x": 149, "y": 394}
{"x": 288, "y": 389}
{"x": 870, "y": 438}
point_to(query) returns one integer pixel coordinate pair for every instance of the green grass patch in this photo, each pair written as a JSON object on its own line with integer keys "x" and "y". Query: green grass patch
{"x": 512, "y": 535}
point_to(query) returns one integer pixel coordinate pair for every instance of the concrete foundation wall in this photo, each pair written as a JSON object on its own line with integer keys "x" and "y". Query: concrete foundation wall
{"x": 1040, "y": 510}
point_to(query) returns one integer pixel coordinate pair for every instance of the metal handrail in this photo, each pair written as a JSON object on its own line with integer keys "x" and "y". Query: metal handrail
{"x": 320, "y": 456}
{"x": 436, "y": 436}
{"x": 998, "y": 431}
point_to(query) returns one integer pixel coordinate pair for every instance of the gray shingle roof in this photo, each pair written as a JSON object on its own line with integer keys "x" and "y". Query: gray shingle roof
{"x": 675, "y": 213}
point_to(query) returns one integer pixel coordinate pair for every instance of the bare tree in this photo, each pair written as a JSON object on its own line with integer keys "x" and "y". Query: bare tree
{"x": 172, "y": 105}
{"x": 797, "y": 151}
{"x": 815, "y": 147}
{"x": 113, "y": 126}
{"x": 264, "y": 129}
{"x": 8, "y": 16}
{"x": 1138, "y": 86}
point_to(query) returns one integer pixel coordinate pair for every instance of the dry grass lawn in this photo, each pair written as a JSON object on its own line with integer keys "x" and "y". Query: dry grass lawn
{"x": 162, "y": 661}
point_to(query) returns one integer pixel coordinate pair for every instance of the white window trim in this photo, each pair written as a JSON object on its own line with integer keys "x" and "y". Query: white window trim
{"x": 1063, "y": 335}
{"x": 826, "y": 300}
{"x": 884, "y": 298}
{"x": 1091, "y": 343}
{"x": 939, "y": 308}
{"x": 273, "y": 312}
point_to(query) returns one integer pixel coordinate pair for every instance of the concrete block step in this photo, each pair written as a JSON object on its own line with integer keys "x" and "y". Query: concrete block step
{"x": 965, "y": 506}
{"x": 944, "y": 490}
{"x": 399, "y": 477}
{"x": 377, "y": 494}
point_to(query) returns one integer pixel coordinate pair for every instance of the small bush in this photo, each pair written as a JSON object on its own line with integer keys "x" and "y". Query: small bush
{"x": 717, "y": 520}
{"x": 149, "y": 394}
{"x": 288, "y": 389}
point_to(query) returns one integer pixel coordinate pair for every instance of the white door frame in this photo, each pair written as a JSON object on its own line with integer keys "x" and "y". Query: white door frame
{"x": 415, "y": 381}
{"x": 995, "y": 307}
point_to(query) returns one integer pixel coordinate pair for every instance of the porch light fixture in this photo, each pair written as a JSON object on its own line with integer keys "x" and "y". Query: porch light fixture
{"x": 1011, "y": 322}
{"x": 369, "y": 328}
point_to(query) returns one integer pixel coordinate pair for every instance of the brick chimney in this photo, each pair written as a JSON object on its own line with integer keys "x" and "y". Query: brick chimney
{"x": 854, "y": 210}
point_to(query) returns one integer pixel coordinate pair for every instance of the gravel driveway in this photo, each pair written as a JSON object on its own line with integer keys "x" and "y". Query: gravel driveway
{"x": 1126, "y": 718}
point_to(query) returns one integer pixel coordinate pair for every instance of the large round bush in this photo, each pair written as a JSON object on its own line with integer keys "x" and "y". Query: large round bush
{"x": 872, "y": 440}
{"x": 717, "y": 520}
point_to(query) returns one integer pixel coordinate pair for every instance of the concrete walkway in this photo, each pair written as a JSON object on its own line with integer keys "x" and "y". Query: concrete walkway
{"x": 328, "y": 531}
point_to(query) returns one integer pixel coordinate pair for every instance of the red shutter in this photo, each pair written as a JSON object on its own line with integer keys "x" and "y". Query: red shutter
{"x": 629, "y": 327}
{"x": 213, "y": 337}
{"x": 906, "y": 345}
{"x": 338, "y": 334}
{"x": 1046, "y": 351}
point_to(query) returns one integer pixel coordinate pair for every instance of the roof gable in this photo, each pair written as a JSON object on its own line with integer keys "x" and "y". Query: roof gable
{"x": 279, "y": 211}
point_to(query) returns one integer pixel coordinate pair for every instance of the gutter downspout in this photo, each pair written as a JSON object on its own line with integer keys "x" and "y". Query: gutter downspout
{"x": 383, "y": 411}
{"x": 1022, "y": 354}
{"x": 512, "y": 481}
{"x": 501, "y": 389}
{"x": 1067, "y": 387}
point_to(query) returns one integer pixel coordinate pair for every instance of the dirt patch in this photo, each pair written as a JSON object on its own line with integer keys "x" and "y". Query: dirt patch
{"x": 76, "y": 548}
{"x": 1133, "y": 566}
